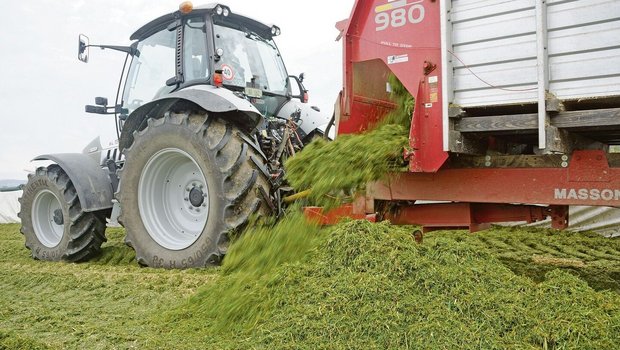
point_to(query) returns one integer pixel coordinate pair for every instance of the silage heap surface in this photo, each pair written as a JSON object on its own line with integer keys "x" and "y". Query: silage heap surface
{"x": 362, "y": 285}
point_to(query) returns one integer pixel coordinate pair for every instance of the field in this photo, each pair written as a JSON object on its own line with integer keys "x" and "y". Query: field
{"x": 355, "y": 285}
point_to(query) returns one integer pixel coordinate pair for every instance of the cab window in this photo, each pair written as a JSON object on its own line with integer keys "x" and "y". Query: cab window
{"x": 196, "y": 65}
{"x": 150, "y": 70}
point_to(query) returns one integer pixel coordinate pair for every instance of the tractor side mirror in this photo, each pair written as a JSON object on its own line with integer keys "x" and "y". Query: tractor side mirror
{"x": 101, "y": 101}
{"x": 83, "y": 48}
{"x": 101, "y": 107}
{"x": 298, "y": 90}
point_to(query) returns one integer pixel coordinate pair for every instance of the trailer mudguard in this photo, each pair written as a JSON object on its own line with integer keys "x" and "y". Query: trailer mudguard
{"x": 91, "y": 181}
{"x": 210, "y": 98}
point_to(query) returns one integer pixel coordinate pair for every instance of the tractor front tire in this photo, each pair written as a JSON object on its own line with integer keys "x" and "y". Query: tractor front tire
{"x": 53, "y": 223}
{"x": 189, "y": 179}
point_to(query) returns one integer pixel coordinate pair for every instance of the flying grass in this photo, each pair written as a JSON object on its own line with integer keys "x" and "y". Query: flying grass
{"x": 251, "y": 262}
{"x": 333, "y": 170}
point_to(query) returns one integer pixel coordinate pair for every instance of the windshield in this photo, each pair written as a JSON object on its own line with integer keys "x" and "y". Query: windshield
{"x": 245, "y": 56}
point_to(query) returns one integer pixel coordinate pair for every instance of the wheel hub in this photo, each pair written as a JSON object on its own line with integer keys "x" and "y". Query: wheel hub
{"x": 196, "y": 197}
{"x": 58, "y": 218}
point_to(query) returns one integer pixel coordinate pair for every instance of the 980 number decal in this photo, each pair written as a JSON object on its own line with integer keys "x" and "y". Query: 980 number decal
{"x": 395, "y": 14}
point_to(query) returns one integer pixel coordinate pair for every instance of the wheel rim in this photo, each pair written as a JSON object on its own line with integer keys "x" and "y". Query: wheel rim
{"x": 47, "y": 218}
{"x": 173, "y": 199}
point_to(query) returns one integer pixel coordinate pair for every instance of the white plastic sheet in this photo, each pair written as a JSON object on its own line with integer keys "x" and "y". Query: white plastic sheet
{"x": 603, "y": 220}
{"x": 9, "y": 207}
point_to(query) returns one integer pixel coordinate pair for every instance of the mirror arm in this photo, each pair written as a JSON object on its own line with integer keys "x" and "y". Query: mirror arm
{"x": 127, "y": 49}
{"x": 105, "y": 109}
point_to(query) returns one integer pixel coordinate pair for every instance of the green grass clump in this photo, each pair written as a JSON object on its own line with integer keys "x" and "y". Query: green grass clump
{"x": 334, "y": 169}
{"x": 591, "y": 257}
{"x": 12, "y": 341}
{"x": 116, "y": 252}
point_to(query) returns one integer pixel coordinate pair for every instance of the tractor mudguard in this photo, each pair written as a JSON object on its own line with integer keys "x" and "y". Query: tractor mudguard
{"x": 210, "y": 98}
{"x": 313, "y": 121}
{"x": 91, "y": 182}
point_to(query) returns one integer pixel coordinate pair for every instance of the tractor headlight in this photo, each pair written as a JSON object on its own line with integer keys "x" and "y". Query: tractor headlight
{"x": 221, "y": 10}
{"x": 275, "y": 31}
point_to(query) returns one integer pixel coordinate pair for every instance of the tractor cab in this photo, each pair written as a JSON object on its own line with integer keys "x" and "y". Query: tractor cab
{"x": 207, "y": 45}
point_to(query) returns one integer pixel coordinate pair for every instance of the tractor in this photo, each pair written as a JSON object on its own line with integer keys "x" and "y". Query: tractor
{"x": 206, "y": 115}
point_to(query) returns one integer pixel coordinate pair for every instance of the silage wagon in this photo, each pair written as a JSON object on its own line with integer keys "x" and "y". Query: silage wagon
{"x": 517, "y": 107}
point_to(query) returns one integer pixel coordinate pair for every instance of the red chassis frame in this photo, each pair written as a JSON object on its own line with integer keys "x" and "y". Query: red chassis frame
{"x": 481, "y": 196}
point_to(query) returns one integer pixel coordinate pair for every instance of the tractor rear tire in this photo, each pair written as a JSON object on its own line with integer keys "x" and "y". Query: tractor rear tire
{"x": 53, "y": 223}
{"x": 187, "y": 182}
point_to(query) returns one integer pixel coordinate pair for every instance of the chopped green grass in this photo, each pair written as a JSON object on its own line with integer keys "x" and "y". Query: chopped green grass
{"x": 338, "y": 168}
{"x": 105, "y": 304}
{"x": 363, "y": 285}
{"x": 334, "y": 170}
{"x": 293, "y": 285}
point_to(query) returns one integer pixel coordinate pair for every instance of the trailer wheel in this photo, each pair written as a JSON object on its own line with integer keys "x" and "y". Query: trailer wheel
{"x": 53, "y": 223}
{"x": 188, "y": 180}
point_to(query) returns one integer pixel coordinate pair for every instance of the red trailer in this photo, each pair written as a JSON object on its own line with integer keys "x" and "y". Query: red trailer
{"x": 516, "y": 106}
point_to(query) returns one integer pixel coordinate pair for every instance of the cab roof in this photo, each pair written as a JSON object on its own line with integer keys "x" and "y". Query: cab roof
{"x": 156, "y": 24}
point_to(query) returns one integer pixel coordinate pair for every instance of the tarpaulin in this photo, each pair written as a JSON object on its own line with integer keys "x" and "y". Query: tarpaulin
{"x": 9, "y": 206}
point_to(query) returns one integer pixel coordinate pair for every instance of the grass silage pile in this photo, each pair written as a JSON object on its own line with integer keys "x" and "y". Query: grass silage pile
{"x": 361, "y": 285}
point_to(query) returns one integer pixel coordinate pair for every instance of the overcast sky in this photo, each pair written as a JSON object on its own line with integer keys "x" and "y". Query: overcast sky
{"x": 44, "y": 87}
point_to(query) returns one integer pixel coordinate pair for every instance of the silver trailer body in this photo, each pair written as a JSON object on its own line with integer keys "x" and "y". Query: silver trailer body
{"x": 520, "y": 52}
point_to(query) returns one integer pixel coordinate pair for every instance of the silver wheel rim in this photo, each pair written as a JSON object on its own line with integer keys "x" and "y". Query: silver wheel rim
{"x": 173, "y": 199}
{"x": 44, "y": 206}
